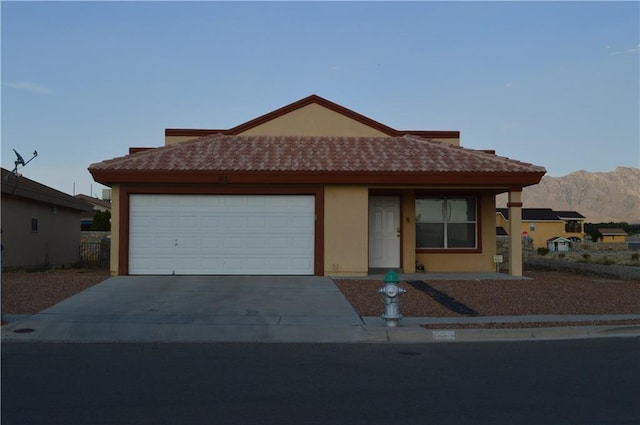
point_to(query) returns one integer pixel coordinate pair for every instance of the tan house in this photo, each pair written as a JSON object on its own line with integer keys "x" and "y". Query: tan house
{"x": 98, "y": 205}
{"x": 545, "y": 224}
{"x": 312, "y": 188}
{"x": 40, "y": 225}
{"x": 612, "y": 235}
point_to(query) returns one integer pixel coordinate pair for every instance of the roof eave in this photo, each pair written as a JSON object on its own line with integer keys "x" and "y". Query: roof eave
{"x": 522, "y": 179}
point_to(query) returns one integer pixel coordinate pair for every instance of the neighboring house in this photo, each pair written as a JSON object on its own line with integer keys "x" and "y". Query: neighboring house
{"x": 501, "y": 232}
{"x": 613, "y": 235}
{"x": 542, "y": 224}
{"x": 573, "y": 224}
{"x": 558, "y": 244}
{"x": 312, "y": 188}
{"x": 39, "y": 224}
{"x": 98, "y": 205}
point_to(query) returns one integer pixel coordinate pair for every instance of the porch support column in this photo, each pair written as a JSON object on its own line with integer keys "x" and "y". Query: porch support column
{"x": 515, "y": 229}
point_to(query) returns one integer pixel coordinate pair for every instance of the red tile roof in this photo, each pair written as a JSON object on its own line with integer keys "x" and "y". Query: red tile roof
{"x": 370, "y": 158}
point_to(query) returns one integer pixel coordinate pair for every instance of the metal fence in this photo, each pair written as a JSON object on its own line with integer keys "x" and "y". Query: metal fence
{"x": 95, "y": 254}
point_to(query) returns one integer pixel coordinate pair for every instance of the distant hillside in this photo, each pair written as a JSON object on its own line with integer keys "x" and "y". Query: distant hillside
{"x": 600, "y": 197}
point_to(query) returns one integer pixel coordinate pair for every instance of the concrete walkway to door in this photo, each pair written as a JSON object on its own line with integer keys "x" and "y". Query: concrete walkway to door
{"x": 200, "y": 309}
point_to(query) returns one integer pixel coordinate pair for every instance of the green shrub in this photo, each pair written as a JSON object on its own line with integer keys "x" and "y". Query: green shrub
{"x": 101, "y": 221}
{"x": 586, "y": 256}
{"x": 607, "y": 261}
{"x": 635, "y": 256}
{"x": 543, "y": 251}
{"x": 562, "y": 255}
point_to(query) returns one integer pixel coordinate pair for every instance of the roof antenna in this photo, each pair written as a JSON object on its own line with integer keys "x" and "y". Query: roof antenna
{"x": 19, "y": 161}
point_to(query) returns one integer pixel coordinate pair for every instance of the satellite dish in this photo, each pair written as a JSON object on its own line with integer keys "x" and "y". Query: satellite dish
{"x": 20, "y": 160}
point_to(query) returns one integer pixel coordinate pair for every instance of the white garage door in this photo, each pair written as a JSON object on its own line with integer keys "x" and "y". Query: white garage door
{"x": 216, "y": 234}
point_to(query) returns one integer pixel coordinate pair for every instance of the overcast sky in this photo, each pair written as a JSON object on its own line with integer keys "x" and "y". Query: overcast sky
{"x": 554, "y": 84}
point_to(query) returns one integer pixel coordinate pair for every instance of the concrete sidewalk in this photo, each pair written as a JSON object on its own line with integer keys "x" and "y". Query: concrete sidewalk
{"x": 267, "y": 309}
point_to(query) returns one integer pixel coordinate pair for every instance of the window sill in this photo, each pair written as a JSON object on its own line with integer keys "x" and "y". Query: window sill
{"x": 448, "y": 250}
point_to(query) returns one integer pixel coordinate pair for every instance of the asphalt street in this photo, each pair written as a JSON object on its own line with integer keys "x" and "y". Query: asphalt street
{"x": 593, "y": 381}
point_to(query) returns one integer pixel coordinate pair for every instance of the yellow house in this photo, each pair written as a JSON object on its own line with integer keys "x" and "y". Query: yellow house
{"x": 612, "y": 235}
{"x": 312, "y": 188}
{"x": 544, "y": 224}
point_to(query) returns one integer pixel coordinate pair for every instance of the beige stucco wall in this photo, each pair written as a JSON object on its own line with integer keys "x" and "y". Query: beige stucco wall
{"x": 313, "y": 120}
{"x": 473, "y": 262}
{"x": 613, "y": 238}
{"x": 544, "y": 230}
{"x": 168, "y": 140}
{"x": 501, "y": 221}
{"x": 346, "y": 238}
{"x": 56, "y": 242}
{"x": 408, "y": 226}
{"x": 115, "y": 229}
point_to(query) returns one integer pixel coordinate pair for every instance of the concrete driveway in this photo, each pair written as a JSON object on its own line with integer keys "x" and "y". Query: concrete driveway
{"x": 200, "y": 309}
{"x": 293, "y": 309}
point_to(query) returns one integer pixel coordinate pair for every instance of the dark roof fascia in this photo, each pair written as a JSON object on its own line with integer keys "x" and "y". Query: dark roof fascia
{"x": 533, "y": 214}
{"x": 447, "y": 179}
{"x": 22, "y": 187}
{"x": 504, "y": 212}
{"x": 301, "y": 104}
{"x": 539, "y": 214}
{"x": 192, "y": 132}
{"x": 430, "y": 134}
{"x": 570, "y": 215}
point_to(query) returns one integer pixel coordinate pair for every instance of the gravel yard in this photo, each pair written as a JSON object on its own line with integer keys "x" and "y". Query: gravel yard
{"x": 30, "y": 292}
{"x": 546, "y": 293}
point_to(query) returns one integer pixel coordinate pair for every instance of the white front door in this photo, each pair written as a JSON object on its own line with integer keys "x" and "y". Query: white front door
{"x": 384, "y": 232}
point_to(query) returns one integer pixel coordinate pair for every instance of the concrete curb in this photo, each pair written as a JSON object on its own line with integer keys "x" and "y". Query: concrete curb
{"x": 410, "y": 329}
{"x": 517, "y": 334}
{"x": 372, "y": 330}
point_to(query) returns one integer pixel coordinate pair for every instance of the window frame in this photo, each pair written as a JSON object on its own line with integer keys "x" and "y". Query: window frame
{"x": 478, "y": 223}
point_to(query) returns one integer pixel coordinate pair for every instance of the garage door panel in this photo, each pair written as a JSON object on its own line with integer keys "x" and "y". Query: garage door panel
{"x": 221, "y": 234}
{"x": 233, "y": 243}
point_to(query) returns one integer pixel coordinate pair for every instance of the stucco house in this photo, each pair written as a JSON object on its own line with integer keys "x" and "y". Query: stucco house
{"x": 312, "y": 188}
{"x": 40, "y": 225}
{"x": 97, "y": 204}
{"x": 615, "y": 235}
{"x": 543, "y": 224}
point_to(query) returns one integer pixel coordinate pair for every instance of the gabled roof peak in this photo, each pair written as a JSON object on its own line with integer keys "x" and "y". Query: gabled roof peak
{"x": 299, "y": 104}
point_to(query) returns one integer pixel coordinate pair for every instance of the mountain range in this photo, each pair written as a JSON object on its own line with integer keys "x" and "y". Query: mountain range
{"x": 601, "y": 197}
